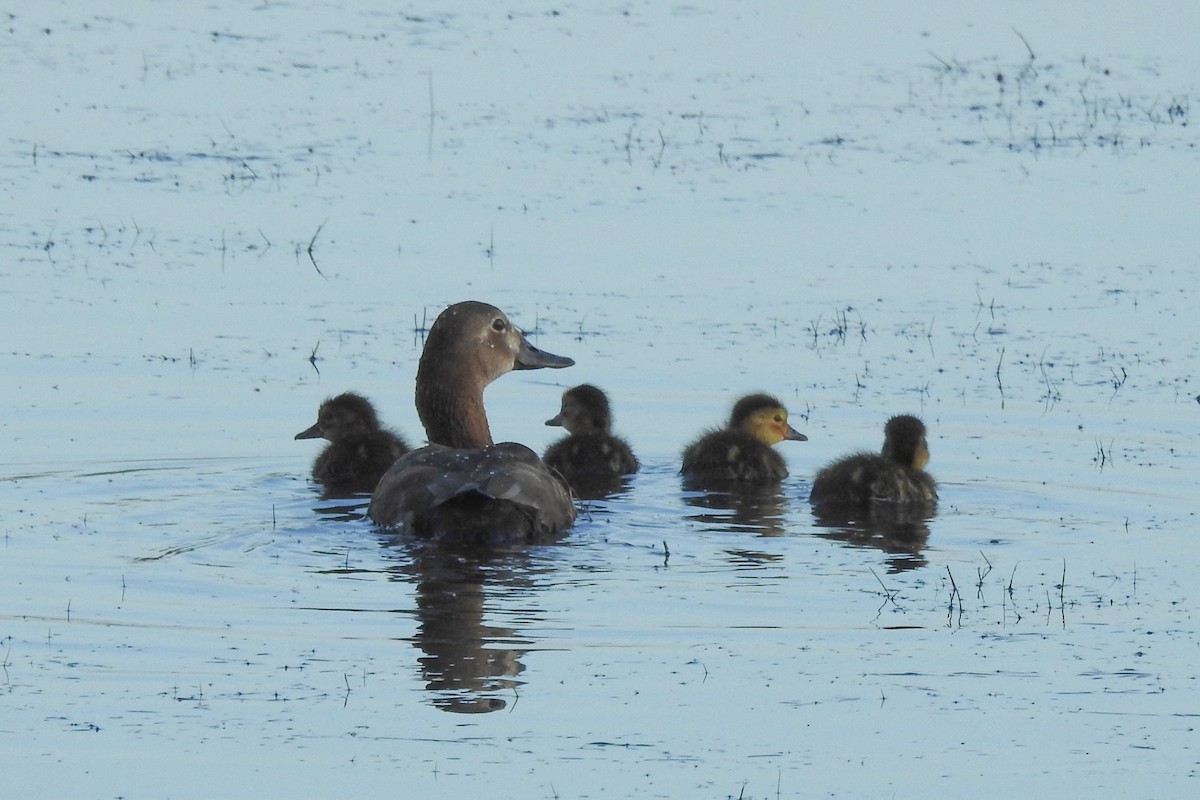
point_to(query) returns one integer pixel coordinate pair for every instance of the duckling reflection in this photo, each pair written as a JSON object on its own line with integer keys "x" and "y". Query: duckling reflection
{"x": 900, "y": 531}
{"x": 882, "y": 500}
{"x": 741, "y": 453}
{"x": 360, "y": 449}
{"x": 757, "y": 509}
{"x": 463, "y": 667}
{"x": 593, "y": 460}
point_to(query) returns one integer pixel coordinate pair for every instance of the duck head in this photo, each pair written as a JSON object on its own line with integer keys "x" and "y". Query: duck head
{"x": 904, "y": 441}
{"x": 584, "y": 410}
{"x": 469, "y": 345}
{"x": 764, "y": 417}
{"x": 342, "y": 417}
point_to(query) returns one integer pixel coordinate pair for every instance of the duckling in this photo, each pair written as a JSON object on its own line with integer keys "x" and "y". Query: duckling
{"x": 360, "y": 450}
{"x": 741, "y": 453}
{"x": 462, "y": 487}
{"x": 896, "y": 475}
{"x": 590, "y": 450}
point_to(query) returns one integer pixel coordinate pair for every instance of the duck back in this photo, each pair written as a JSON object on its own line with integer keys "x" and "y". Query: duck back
{"x": 864, "y": 478}
{"x": 591, "y": 454}
{"x": 356, "y": 464}
{"x": 499, "y": 494}
{"x": 731, "y": 456}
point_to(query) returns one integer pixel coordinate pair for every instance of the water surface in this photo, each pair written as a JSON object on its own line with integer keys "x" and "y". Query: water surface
{"x": 217, "y": 217}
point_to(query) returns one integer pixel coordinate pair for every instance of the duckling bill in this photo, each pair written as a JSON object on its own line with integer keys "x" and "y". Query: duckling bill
{"x": 463, "y": 487}
{"x": 741, "y": 452}
{"x": 360, "y": 449}
{"x": 590, "y": 456}
{"x": 894, "y": 475}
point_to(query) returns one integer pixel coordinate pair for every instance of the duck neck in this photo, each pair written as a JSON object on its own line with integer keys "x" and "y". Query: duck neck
{"x": 450, "y": 406}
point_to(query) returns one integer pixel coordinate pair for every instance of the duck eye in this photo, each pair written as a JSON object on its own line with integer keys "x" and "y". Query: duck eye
{"x": 498, "y": 325}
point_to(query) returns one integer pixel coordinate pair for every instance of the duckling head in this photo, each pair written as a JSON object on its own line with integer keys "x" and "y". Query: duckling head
{"x": 764, "y": 417}
{"x": 904, "y": 441}
{"x": 584, "y": 410}
{"x": 342, "y": 417}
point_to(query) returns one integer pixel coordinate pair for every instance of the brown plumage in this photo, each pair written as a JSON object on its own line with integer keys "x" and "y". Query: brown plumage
{"x": 462, "y": 487}
{"x": 895, "y": 475}
{"x": 741, "y": 452}
{"x": 360, "y": 450}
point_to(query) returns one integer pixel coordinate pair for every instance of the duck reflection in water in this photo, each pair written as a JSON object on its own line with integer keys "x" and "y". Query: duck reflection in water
{"x": 899, "y": 531}
{"x": 751, "y": 508}
{"x": 469, "y": 667}
{"x": 884, "y": 499}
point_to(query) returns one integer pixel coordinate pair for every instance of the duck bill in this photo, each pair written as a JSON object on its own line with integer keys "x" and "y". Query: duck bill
{"x": 793, "y": 435}
{"x": 529, "y": 357}
{"x": 555, "y": 421}
{"x": 312, "y": 433}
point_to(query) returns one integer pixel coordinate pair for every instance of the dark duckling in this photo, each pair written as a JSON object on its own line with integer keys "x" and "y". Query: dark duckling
{"x": 896, "y": 475}
{"x": 463, "y": 488}
{"x": 590, "y": 451}
{"x": 360, "y": 450}
{"x": 741, "y": 453}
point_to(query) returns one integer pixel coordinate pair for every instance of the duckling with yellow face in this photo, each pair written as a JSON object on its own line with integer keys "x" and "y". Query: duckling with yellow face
{"x": 462, "y": 487}
{"x": 895, "y": 475}
{"x": 742, "y": 452}
{"x": 360, "y": 450}
{"x": 590, "y": 449}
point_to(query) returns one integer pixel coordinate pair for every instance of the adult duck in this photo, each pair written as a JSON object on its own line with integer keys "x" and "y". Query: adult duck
{"x": 894, "y": 475}
{"x": 590, "y": 457}
{"x": 462, "y": 487}
{"x": 360, "y": 450}
{"x": 741, "y": 453}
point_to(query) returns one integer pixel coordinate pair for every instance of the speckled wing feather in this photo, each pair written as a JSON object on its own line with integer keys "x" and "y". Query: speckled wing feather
{"x": 499, "y": 493}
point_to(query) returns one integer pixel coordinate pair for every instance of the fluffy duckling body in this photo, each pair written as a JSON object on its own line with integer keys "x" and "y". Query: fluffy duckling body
{"x": 360, "y": 450}
{"x": 590, "y": 450}
{"x": 895, "y": 475}
{"x": 462, "y": 487}
{"x": 742, "y": 452}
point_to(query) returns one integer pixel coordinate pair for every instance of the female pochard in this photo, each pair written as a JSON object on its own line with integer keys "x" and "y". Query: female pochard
{"x": 462, "y": 487}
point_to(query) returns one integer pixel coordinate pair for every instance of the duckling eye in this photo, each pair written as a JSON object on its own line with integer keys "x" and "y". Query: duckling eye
{"x": 498, "y": 325}
{"x": 779, "y": 418}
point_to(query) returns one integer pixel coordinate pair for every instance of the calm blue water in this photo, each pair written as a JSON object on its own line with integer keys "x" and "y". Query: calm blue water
{"x": 218, "y": 217}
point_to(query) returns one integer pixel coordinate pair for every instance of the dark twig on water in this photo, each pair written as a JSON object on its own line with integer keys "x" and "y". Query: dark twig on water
{"x": 1062, "y": 594}
{"x": 890, "y": 594}
{"x": 954, "y": 594}
{"x": 983, "y": 573}
{"x": 1025, "y": 42}
{"x": 312, "y": 358}
{"x": 999, "y": 382}
{"x": 311, "y": 243}
{"x": 419, "y": 330}
{"x": 432, "y": 117}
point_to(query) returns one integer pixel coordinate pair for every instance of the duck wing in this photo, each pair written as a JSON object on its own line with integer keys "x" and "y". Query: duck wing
{"x": 497, "y": 494}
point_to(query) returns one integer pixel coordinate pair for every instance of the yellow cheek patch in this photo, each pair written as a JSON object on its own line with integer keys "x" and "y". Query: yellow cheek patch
{"x": 921, "y": 456}
{"x": 768, "y": 425}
